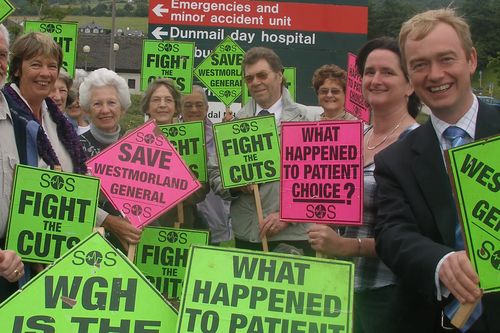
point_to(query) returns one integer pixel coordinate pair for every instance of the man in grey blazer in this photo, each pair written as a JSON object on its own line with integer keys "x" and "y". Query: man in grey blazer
{"x": 416, "y": 235}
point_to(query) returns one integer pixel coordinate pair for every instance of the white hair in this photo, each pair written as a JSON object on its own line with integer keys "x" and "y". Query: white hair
{"x": 5, "y": 33}
{"x": 104, "y": 77}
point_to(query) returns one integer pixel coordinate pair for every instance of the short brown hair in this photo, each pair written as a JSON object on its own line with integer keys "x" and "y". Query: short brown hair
{"x": 29, "y": 46}
{"x": 253, "y": 55}
{"x": 157, "y": 83}
{"x": 332, "y": 72}
{"x": 420, "y": 25}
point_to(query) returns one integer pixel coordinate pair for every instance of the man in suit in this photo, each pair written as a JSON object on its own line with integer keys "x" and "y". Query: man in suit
{"x": 416, "y": 235}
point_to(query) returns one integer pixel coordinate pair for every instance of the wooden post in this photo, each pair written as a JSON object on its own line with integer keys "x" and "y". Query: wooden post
{"x": 227, "y": 110}
{"x": 464, "y": 313}
{"x": 180, "y": 215}
{"x": 131, "y": 252}
{"x": 259, "y": 214}
{"x": 57, "y": 168}
{"x": 100, "y": 230}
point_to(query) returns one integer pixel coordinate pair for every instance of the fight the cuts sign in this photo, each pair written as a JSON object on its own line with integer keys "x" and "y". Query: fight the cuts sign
{"x": 143, "y": 175}
{"x": 50, "y": 212}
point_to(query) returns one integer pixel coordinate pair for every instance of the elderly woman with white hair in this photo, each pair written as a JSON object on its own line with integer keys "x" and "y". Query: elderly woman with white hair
{"x": 105, "y": 97}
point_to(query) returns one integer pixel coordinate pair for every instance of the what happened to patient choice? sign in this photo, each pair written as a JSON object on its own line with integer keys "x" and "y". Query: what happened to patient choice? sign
{"x": 241, "y": 291}
{"x": 322, "y": 172}
{"x": 248, "y": 151}
{"x": 50, "y": 212}
{"x": 475, "y": 174}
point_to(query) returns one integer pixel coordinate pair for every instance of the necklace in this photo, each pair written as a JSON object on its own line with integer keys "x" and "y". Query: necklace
{"x": 383, "y": 140}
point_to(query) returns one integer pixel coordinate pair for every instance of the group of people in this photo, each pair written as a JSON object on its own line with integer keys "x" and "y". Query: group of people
{"x": 410, "y": 263}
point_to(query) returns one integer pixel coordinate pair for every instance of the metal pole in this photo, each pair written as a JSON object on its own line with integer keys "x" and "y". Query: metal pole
{"x": 112, "y": 39}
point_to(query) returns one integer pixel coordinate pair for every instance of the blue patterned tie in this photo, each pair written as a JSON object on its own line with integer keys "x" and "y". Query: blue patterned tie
{"x": 263, "y": 113}
{"x": 456, "y": 135}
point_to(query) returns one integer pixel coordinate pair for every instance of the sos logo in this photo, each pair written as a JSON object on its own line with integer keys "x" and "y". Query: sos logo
{"x": 94, "y": 258}
{"x": 51, "y": 28}
{"x": 487, "y": 252}
{"x": 320, "y": 211}
{"x": 172, "y": 237}
{"x": 228, "y": 48}
{"x": 57, "y": 182}
{"x": 168, "y": 47}
{"x": 173, "y": 131}
{"x": 137, "y": 210}
{"x": 228, "y": 93}
{"x": 245, "y": 127}
{"x": 149, "y": 139}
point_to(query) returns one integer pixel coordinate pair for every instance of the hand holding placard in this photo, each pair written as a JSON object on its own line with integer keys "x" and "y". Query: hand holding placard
{"x": 11, "y": 266}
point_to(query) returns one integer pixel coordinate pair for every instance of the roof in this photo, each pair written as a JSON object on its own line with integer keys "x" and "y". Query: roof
{"x": 91, "y": 26}
{"x": 128, "y": 57}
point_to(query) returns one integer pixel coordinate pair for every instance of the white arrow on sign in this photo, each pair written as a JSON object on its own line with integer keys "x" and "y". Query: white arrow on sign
{"x": 158, "y": 10}
{"x": 158, "y": 33}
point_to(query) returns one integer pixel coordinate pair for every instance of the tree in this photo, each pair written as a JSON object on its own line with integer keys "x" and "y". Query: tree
{"x": 386, "y": 19}
{"x": 55, "y": 13}
{"x": 494, "y": 64}
{"x": 100, "y": 10}
{"x": 129, "y": 8}
{"x": 482, "y": 16}
{"x": 142, "y": 10}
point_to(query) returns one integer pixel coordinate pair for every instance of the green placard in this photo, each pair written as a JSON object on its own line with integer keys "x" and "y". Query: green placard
{"x": 64, "y": 33}
{"x": 92, "y": 288}
{"x": 220, "y": 72}
{"x": 189, "y": 140}
{"x": 248, "y": 151}
{"x": 6, "y": 8}
{"x": 162, "y": 256}
{"x": 162, "y": 59}
{"x": 475, "y": 174}
{"x": 50, "y": 212}
{"x": 228, "y": 290}
{"x": 289, "y": 73}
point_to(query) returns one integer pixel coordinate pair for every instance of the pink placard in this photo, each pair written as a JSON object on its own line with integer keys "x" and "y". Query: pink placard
{"x": 322, "y": 172}
{"x": 355, "y": 104}
{"x": 142, "y": 175}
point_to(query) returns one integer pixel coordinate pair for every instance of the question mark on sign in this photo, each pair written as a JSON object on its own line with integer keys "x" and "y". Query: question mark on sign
{"x": 350, "y": 193}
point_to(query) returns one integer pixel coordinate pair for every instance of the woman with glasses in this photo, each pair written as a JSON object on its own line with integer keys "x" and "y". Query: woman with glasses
{"x": 162, "y": 101}
{"x": 329, "y": 82}
{"x": 105, "y": 97}
{"x": 394, "y": 105}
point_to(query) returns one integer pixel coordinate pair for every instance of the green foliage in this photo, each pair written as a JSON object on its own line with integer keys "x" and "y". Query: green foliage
{"x": 483, "y": 18}
{"x": 142, "y": 10}
{"x": 55, "y": 13}
{"x": 129, "y": 8}
{"x": 385, "y": 19}
{"x": 134, "y": 116}
{"x": 494, "y": 65}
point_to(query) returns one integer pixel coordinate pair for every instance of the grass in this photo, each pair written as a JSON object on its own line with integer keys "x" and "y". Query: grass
{"x": 140, "y": 23}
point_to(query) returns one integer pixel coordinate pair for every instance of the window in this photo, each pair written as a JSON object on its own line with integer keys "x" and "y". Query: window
{"x": 131, "y": 83}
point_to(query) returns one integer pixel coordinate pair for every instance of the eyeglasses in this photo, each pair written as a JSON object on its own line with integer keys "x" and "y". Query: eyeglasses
{"x": 198, "y": 106}
{"x": 261, "y": 76}
{"x": 157, "y": 100}
{"x": 325, "y": 91}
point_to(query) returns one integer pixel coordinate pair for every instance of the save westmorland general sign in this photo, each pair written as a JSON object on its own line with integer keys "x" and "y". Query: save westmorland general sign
{"x": 142, "y": 175}
{"x": 92, "y": 288}
{"x": 475, "y": 175}
{"x": 50, "y": 212}
{"x": 221, "y": 71}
